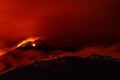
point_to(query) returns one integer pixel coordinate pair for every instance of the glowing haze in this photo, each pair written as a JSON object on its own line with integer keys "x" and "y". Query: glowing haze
{"x": 61, "y": 22}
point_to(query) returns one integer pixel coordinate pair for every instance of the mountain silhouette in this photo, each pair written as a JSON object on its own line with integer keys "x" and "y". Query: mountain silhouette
{"x": 68, "y": 68}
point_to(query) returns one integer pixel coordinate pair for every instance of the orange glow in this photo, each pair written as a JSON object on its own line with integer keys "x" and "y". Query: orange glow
{"x": 33, "y": 45}
{"x": 32, "y": 39}
{"x": 2, "y": 52}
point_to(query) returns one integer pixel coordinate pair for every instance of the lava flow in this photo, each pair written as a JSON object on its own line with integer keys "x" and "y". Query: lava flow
{"x": 32, "y": 39}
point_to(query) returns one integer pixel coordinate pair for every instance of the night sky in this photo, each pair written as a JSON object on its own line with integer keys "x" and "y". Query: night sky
{"x": 61, "y": 23}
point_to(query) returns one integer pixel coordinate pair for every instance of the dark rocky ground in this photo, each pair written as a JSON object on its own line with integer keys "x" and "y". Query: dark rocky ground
{"x": 68, "y": 68}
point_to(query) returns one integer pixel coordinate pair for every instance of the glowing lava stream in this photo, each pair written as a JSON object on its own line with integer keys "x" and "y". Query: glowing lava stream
{"x": 32, "y": 39}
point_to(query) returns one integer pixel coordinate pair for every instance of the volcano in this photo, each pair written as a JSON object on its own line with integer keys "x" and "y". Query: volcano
{"x": 37, "y": 60}
{"x": 37, "y": 45}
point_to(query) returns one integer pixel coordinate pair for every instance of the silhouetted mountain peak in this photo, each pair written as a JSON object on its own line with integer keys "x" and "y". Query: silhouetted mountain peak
{"x": 67, "y": 68}
{"x": 99, "y": 57}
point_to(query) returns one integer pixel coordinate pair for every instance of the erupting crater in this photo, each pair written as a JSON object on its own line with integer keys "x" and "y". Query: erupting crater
{"x": 35, "y": 43}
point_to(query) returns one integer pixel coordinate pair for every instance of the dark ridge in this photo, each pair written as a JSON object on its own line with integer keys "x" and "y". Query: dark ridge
{"x": 43, "y": 46}
{"x": 68, "y": 68}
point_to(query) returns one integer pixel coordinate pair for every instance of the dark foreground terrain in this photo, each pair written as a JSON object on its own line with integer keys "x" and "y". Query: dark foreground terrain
{"x": 68, "y": 68}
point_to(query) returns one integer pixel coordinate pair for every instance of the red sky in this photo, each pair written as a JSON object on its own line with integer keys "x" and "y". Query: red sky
{"x": 60, "y": 22}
